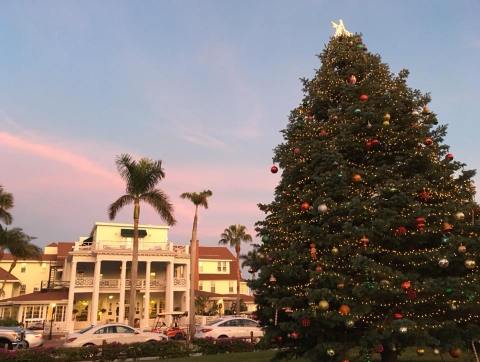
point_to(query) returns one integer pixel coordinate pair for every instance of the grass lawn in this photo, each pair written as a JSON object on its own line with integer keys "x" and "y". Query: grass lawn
{"x": 263, "y": 356}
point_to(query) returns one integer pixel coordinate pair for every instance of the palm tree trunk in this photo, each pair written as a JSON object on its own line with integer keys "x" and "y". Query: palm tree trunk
{"x": 134, "y": 270}
{"x": 193, "y": 274}
{"x": 237, "y": 307}
{"x": 12, "y": 266}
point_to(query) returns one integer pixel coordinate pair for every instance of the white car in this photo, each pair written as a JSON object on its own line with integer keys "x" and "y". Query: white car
{"x": 33, "y": 338}
{"x": 110, "y": 333}
{"x": 230, "y": 327}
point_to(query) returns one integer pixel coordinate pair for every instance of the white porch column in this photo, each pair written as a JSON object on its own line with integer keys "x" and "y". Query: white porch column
{"x": 169, "y": 293}
{"x": 121, "y": 301}
{"x": 186, "y": 307}
{"x": 146, "y": 300}
{"x": 95, "y": 293}
{"x": 70, "y": 324}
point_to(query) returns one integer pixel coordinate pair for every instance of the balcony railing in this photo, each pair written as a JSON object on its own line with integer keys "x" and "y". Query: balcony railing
{"x": 127, "y": 246}
{"x": 115, "y": 283}
{"x": 179, "y": 282}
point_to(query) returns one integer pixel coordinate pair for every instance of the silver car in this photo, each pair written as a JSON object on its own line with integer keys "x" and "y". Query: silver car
{"x": 33, "y": 338}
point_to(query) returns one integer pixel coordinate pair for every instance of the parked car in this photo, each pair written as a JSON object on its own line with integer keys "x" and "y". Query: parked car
{"x": 230, "y": 327}
{"x": 110, "y": 333}
{"x": 12, "y": 337}
{"x": 33, "y": 338}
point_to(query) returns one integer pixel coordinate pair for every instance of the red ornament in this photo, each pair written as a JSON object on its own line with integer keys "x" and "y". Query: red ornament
{"x": 357, "y": 178}
{"x": 305, "y": 322}
{"x": 449, "y": 156}
{"x": 368, "y": 144}
{"x": 397, "y": 315}
{"x": 447, "y": 227}
{"x": 323, "y": 133}
{"x": 455, "y": 352}
{"x": 318, "y": 269}
{"x": 424, "y": 196}
{"x": 406, "y": 285}
{"x": 375, "y": 142}
{"x": 305, "y": 206}
{"x": 344, "y": 309}
{"x": 364, "y": 240}
{"x": 421, "y": 227}
{"x": 352, "y": 79}
{"x": 401, "y": 230}
{"x": 274, "y": 169}
{"x": 294, "y": 335}
{"x": 428, "y": 141}
{"x": 363, "y": 97}
{"x": 420, "y": 220}
{"x": 296, "y": 150}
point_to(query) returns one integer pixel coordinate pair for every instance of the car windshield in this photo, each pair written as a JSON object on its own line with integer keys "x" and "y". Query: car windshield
{"x": 85, "y": 329}
{"x": 214, "y": 322}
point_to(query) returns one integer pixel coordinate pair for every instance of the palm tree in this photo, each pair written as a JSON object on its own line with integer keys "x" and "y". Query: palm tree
{"x": 141, "y": 178}
{"x": 6, "y": 202}
{"x": 198, "y": 199}
{"x": 18, "y": 244}
{"x": 233, "y": 236}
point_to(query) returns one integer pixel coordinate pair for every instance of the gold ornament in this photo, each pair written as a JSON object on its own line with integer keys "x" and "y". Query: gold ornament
{"x": 420, "y": 351}
{"x": 462, "y": 249}
{"x": 459, "y": 216}
{"x": 470, "y": 264}
{"x": 386, "y": 117}
{"x": 334, "y": 250}
{"x": 323, "y": 305}
{"x": 386, "y": 123}
{"x": 436, "y": 351}
{"x": 330, "y": 352}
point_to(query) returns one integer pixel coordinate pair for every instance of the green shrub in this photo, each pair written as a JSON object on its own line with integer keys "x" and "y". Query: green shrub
{"x": 227, "y": 345}
{"x": 8, "y": 322}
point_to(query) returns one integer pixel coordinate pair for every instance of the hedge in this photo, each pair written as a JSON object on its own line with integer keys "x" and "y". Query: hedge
{"x": 110, "y": 352}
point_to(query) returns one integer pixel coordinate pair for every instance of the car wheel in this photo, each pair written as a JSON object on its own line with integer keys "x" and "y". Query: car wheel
{"x": 6, "y": 342}
{"x": 88, "y": 351}
{"x": 222, "y": 336}
{"x": 152, "y": 341}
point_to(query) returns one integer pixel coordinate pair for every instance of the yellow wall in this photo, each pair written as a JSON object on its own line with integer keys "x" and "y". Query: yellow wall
{"x": 210, "y": 266}
{"x": 35, "y": 272}
{"x": 223, "y": 286}
{"x": 110, "y": 234}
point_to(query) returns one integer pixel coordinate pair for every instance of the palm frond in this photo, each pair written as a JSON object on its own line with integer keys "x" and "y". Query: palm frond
{"x": 118, "y": 204}
{"x": 18, "y": 244}
{"x": 6, "y": 203}
{"x": 198, "y": 198}
{"x": 160, "y": 202}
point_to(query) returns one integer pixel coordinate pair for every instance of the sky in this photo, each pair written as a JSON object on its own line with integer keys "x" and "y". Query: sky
{"x": 205, "y": 86}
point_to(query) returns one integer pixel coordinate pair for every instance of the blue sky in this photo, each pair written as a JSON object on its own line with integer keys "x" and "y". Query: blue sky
{"x": 206, "y": 86}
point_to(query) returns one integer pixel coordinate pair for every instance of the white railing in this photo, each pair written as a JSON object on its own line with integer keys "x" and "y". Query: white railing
{"x": 179, "y": 282}
{"x": 115, "y": 283}
{"x": 120, "y": 245}
{"x": 109, "y": 283}
{"x": 84, "y": 282}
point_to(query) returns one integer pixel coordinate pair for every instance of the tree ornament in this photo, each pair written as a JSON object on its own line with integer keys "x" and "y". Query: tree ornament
{"x": 436, "y": 351}
{"x": 352, "y": 79}
{"x": 274, "y": 169}
{"x": 296, "y": 150}
{"x": 294, "y": 335}
{"x": 425, "y": 110}
{"x": 368, "y": 144}
{"x": 364, "y": 240}
{"x": 401, "y": 230}
{"x": 363, "y": 97}
{"x": 386, "y": 117}
{"x": 375, "y": 142}
{"x": 305, "y": 206}
{"x": 350, "y": 323}
{"x": 340, "y": 285}
{"x": 334, "y": 250}
{"x": 445, "y": 239}
{"x": 344, "y": 310}
{"x": 470, "y": 264}
{"x": 386, "y": 123}
{"x": 322, "y": 208}
{"x": 462, "y": 249}
{"x": 460, "y": 216}
{"x": 330, "y": 352}
{"x": 406, "y": 285}
{"x": 447, "y": 227}
{"x": 428, "y": 141}
{"x": 272, "y": 279}
{"x": 420, "y": 220}
{"x": 449, "y": 156}
{"x": 369, "y": 125}
{"x": 357, "y": 110}
{"x": 323, "y": 305}
{"x": 455, "y": 352}
{"x": 403, "y": 329}
{"x": 424, "y": 195}
{"x": 415, "y": 113}
{"x": 357, "y": 178}
{"x": 313, "y": 252}
{"x": 265, "y": 238}
{"x": 305, "y": 322}
{"x": 318, "y": 269}
{"x": 323, "y": 133}
{"x": 443, "y": 263}
{"x": 420, "y": 351}
{"x": 397, "y": 315}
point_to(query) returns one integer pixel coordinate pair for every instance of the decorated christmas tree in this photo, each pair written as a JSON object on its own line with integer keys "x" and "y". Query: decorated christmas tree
{"x": 370, "y": 244}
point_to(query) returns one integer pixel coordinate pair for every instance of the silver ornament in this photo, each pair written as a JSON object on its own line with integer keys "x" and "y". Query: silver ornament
{"x": 443, "y": 263}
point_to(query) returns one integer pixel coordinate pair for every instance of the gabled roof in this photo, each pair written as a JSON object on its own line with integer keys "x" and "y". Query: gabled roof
{"x": 5, "y": 275}
{"x": 215, "y": 252}
{"x": 52, "y": 245}
{"x": 48, "y": 296}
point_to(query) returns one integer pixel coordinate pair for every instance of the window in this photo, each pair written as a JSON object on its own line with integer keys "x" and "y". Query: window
{"x": 200, "y": 285}
{"x": 212, "y": 286}
{"x": 219, "y": 266}
{"x": 23, "y": 288}
{"x": 23, "y": 269}
{"x": 248, "y": 323}
{"x": 106, "y": 330}
{"x": 230, "y": 286}
{"x": 224, "y": 266}
{"x": 230, "y": 323}
{"x": 200, "y": 267}
{"x": 60, "y": 313}
{"x": 122, "y": 329}
{"x": 179, "y": 272}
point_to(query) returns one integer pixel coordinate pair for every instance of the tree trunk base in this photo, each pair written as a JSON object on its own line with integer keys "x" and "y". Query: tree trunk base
{"x": 389, "y": 356}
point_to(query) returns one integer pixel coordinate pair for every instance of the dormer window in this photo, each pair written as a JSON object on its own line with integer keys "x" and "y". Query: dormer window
{"x": 128, "y": 233}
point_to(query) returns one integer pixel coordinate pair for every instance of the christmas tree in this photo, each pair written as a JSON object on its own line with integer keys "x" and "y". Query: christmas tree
{"x": 370, "y": 244}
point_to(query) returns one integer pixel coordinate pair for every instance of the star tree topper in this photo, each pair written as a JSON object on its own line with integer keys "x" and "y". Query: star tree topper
{"x": 340, "y": 29}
